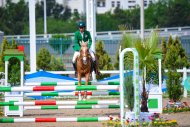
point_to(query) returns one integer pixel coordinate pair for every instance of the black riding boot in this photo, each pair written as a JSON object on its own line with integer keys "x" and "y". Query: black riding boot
{"x": 75, "y": 69}
{"x": 95, "y": 67}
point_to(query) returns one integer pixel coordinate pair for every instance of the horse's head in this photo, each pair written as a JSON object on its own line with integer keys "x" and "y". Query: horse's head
{"x": 84, "y": 52}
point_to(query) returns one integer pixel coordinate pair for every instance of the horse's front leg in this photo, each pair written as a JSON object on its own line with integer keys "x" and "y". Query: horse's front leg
{"x": 79, "y": 79}
{"x": 79, "y": 84}
{"x": 87, "y": 76}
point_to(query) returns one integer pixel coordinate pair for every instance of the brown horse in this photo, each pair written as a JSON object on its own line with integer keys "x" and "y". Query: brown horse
{"x": 84, "y": 66}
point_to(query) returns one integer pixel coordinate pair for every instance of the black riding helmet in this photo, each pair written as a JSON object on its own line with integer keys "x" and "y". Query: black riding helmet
{"x": 81, "y": 24}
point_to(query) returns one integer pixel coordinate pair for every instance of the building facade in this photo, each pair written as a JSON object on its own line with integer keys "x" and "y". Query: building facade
{"x": 109, "y": 5}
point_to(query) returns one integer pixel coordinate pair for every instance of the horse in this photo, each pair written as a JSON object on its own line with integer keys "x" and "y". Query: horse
{"x": 84, "y": 65}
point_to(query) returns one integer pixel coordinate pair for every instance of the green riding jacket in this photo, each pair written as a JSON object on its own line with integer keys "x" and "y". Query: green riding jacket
{"x": 78, "y": 38}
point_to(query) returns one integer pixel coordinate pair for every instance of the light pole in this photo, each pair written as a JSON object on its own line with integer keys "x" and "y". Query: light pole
{"x": 45, "y": 20}
{"x": 142, "y": 19}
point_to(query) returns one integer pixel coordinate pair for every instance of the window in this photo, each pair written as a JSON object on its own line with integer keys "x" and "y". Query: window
{"x": 98, "y": 4}
{"x": 118, "y": 4}
{"x": 113, "y": 3}
{"x": 103, "y": 4}
{"x": 130, "y": 1}
{"x": 145, "y": 3}
{"x": 75, "y": 10}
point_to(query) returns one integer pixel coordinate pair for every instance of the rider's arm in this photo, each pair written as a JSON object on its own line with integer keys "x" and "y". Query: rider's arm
{"x": 76, "y": 42}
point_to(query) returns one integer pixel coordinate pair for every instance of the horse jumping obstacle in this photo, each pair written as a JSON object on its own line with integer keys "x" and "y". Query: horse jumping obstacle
{"x": 68, "y": 83}
{"x": 54, "y": 87}
{"x": 72, "y": 107}
{"x": 100, "y": 102}
{"x": 90, "y": 93}
{"x": 67, "y": 119}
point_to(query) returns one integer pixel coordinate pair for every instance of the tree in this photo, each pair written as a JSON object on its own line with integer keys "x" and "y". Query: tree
{"x": 66, "y": 14}
{"x": 129, "y": 91}
{"x": 14, "y": 72}
{"x": 14, "y": 17}
{"x": 156, "y": 15}
{"x": 178, "y": 13}
{"x": 76, "y": 15}
{"x": 104, "y": 59}
{"x": 14, "y": 63}
{"x": 5, "y": 45}
{"x": 39, "y": 9}
{"x": 43, "y": 59}
{"x": 56, "y": 64}
{"x": 175, "y": 58}
{"x": 148, "y": 51}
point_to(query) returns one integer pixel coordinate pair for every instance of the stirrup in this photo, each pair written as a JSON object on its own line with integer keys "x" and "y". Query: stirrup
{"x": 98, "y": 73}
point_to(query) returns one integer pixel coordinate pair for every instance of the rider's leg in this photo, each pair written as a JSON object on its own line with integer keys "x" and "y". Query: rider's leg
{"x": 95, "y": 63}
{"x": 74, "y": 62}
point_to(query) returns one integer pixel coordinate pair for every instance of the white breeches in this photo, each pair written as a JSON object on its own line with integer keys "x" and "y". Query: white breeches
{"x": 77, "y": 53}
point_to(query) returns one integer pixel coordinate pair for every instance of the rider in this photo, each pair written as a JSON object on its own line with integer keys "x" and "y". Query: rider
{"x": 83, "y": 34}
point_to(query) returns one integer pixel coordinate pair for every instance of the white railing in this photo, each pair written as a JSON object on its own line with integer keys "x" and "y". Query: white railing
{"x": 163, "y": 31}
{"x": 185, "y": 72}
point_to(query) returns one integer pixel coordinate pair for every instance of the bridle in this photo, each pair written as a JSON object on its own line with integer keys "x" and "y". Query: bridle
{"x": 84, "y": 54}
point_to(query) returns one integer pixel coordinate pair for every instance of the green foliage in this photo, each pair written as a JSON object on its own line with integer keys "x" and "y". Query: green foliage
{"x": 56, "y": 64}
{"x": 149, "y": 51}
{"x": 4, "y": 45}
{"x": 60, "y": 43}
{"x": 14, "y": 63}
{"x": 53, "y": 9}
{"x": 152, "y": 73}
{"x": 14, "y": 72}
{"x": 43, "y": 59}
{"x": 129, "y": 90}
{"x": 164, "y": 50}
{"x": 174, "y": 88}
{"x": 175, "y": 58}
{"x": 14, "y": 17}
{"x": 48, "y": 62}
{"x": 127, "y": 41}
{"x": 104, "y": 59}
{"x": 164, "y": 13}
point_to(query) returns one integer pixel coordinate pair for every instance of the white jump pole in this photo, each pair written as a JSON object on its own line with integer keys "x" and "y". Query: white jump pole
{"x": 32, "y": 23}
{"x": 135, "y": 82}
